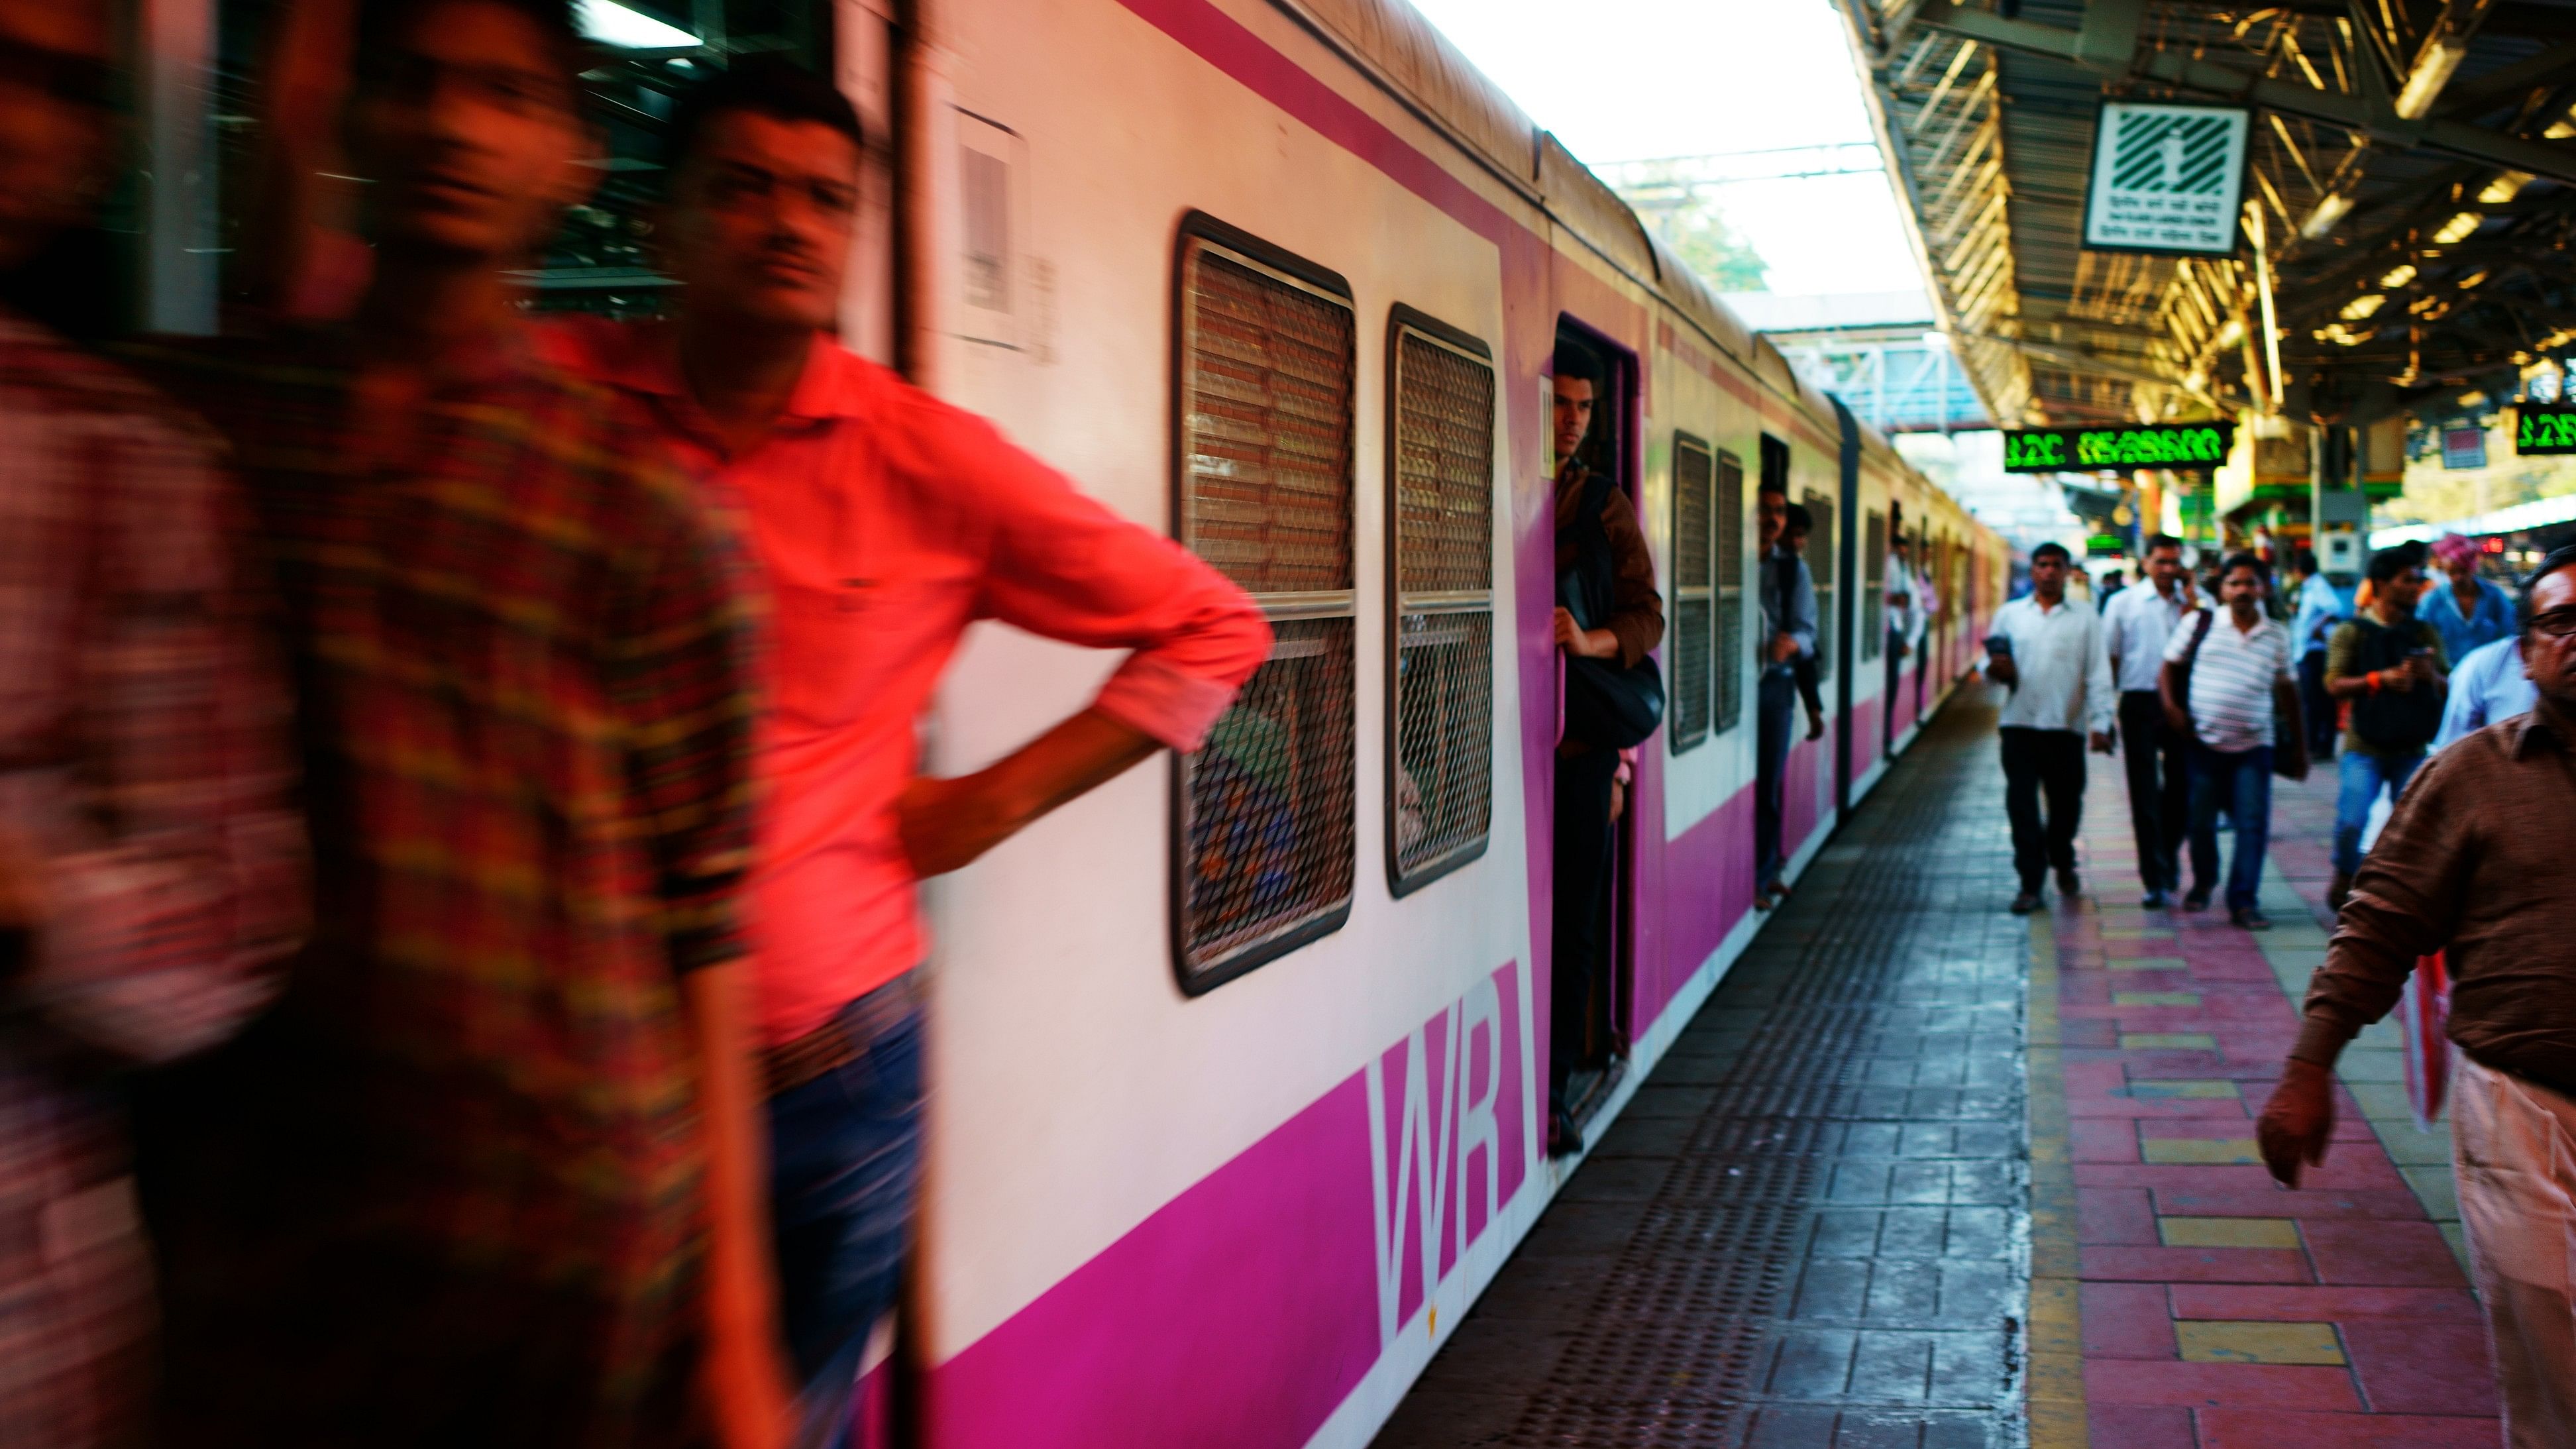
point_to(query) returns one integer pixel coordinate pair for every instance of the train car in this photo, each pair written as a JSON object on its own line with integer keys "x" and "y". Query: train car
{"x": 1220, "y": 1167}
{"x": 1241, "y": 1062}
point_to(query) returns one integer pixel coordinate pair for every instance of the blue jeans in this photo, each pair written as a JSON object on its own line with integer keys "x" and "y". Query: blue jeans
{"x": 2240, "y": 781}
{"x": 2359, "y": 776}
{"x": 845, "y": 1161}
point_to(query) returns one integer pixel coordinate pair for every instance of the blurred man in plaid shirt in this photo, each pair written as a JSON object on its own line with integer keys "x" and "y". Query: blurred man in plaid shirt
{"x": 488, "y": 1173}
{"x": 150, "y": 874}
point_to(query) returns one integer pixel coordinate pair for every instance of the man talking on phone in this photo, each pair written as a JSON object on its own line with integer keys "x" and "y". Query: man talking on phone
{"x": 2049, "y": 653}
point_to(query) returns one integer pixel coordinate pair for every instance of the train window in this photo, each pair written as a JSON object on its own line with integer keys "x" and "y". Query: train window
{"x": 1730, "y": 591}
{"x": 1873, "y": 586}
{"x": 1694, "y": 588}
{"x": 1440, "y": 494}
{"x": 1265, "y": 821}
{"x": 1820, "y": 566}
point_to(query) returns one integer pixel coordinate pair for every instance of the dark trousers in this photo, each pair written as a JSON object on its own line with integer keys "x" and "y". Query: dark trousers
{"x": 1583, "y": 784}
{"x": 2037, "y": 761}
{"x": 1775, "y": 703}
{"x": 2316, "y": 706}
{"x": 844, "y": 1170}
{"x": 2240, "y": 782}
{"x": 1887, "y": 698}
{"x": 2159, "y": 768}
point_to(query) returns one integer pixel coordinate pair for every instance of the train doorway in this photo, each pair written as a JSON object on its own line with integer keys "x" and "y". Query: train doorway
{"x": 1593, "y": 399}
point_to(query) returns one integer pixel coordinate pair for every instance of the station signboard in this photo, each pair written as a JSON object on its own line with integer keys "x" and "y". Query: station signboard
{"x": 2138, "y": 445}
{"x": 2544, "y": 429}
{"x": 2167, "y": 179}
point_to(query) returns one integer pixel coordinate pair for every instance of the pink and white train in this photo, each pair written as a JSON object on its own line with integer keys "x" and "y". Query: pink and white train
{"x": 1240, "y": 1067}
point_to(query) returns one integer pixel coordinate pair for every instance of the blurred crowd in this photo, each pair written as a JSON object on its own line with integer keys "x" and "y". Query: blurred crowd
{"x": 460, "y": 809}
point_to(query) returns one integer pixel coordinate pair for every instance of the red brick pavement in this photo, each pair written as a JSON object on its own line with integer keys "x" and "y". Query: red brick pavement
{"x": 2217, "y": 1309}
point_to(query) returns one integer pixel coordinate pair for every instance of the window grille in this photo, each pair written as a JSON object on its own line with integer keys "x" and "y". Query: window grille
{"x": 1694, "y": 589}
{"x": 1873, "y": 590}
{"x": 1820, "y": 567}
{"x": 1266, "y": 808}
{"x": 1730, "y": 591}
{"x": 1440, "y": 781}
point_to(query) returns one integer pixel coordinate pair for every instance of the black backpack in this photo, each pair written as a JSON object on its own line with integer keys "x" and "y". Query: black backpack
{"x": 1607, "y": 706}
{"x": 2399, "y": 722}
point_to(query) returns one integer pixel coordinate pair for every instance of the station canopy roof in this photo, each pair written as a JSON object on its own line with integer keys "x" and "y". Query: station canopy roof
{"x": 2411, "y": 181}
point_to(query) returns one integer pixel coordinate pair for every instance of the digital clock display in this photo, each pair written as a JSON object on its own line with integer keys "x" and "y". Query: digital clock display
{"x": 2541, "y": 429}
{"x": 2145, "y": 445}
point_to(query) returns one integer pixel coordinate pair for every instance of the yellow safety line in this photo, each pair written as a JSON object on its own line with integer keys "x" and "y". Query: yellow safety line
{"x": 2055, "y": 1378}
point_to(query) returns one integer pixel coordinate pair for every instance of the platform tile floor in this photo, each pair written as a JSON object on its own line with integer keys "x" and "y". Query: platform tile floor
{"x": 1834, "y": 1216}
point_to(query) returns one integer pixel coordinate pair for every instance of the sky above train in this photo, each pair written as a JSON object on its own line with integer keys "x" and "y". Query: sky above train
{"x": 1622, "y": 80}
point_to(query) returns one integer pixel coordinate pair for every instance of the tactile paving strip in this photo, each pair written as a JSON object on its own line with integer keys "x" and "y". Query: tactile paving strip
{"x": 1830, "y": 1250}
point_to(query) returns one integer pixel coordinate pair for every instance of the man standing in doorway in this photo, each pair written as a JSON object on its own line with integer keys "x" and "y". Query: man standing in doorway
{"x": 1897, "y": 584}
{"x": 2135, "y": 626}
{"x": 1788, "y": 595}
{"x": 2473, "y": 864}
{"x": 2052, "y": 659}
{"x": 1587, "y": 773}
{"x": 884, "y": 522}
{"x": 2387, "y": 665}
{"x": 1794, "y": 535}
{"x": 2224, "y": 678}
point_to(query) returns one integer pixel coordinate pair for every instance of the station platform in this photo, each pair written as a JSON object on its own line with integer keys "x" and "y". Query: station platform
{"x": 1927, "y": 1174}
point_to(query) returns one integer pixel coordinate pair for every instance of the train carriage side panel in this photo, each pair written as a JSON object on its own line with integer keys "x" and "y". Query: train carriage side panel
{"x": 1307, "y": 1157}
{"x": 1251, "y": 1215}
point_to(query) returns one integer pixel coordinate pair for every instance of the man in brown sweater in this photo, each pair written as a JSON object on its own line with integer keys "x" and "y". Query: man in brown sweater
{"x": 2474, "y": 863}
{"x": 1604, "y": 566}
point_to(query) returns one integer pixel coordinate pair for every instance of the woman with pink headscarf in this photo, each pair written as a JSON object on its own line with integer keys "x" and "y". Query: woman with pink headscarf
{"x": 2469, "y": 611}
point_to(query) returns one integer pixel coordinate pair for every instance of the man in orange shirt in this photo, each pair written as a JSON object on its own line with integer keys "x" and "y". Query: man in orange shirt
{"x": 883, "y": 522}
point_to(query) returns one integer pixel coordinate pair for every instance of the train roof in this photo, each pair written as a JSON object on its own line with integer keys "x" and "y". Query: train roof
{"x": 1391, "y": 42}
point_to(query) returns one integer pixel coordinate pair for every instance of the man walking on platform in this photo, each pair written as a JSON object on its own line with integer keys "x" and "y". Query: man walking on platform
{"x": 2466, "y": 610}
{"x": 2473, "y": 864}
{"x": 2048, "y": 650}
{"x": 2225, "y": 676}
{"x": 2489, "y": 686}
{"x": 1788, "y": 598}
{"x": 2135, "y": 626}
{"x": 2320, "y": 607}
{"x": 2388, "y": 665}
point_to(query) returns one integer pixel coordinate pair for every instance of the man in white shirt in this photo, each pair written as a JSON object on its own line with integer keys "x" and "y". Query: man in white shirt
{"x": 2225, "y": 678}
{"x": 2135, "y": 624}
{"x": 2048, "y": 649}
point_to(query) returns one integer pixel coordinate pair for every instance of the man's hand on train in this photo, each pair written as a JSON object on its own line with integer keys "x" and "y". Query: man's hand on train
{"x": 2101, "y": 741}
{"x": 1783, "y": 648}
{"x": 946, "y": 823}
{"x": 2298, "y": 1121}
{"x": 1584, "y": 643}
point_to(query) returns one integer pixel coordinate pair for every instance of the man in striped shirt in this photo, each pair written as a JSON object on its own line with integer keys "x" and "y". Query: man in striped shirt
{"x": 2224, "y": 678}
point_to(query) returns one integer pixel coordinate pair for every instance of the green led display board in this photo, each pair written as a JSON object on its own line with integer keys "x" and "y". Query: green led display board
{"x": 2541, "y": 429}
{"x": 2141, "y": 445}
